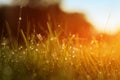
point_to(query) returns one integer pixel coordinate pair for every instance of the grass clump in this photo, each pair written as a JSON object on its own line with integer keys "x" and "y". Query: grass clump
{"x": 54, "y": 59}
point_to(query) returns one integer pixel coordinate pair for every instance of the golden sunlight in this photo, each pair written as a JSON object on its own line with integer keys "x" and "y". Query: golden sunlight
{"x": 104, "y": 15}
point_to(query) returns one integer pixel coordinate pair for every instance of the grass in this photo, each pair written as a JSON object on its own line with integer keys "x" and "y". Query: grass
{"x": 53, "y": 59}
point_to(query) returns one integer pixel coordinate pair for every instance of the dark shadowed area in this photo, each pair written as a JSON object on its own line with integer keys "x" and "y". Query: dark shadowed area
{"x": 35, "y": 19}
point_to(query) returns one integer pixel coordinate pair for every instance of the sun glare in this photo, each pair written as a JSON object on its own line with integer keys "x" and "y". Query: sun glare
{"x": 108, "y": 29}
{"x": 106, "y": 23}
{"x": 104, "y": 15}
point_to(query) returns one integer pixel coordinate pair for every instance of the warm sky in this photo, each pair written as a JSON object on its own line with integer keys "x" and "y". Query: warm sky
{"x": 104, "y": 14}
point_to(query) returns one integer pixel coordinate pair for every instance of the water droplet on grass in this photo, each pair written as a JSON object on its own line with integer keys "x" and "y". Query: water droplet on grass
{"x": 20, "y": 18}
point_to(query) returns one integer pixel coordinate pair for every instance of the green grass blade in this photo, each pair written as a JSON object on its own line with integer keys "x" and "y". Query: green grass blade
{"x": 49, "y": 29}
{"x": 24, "y": 38}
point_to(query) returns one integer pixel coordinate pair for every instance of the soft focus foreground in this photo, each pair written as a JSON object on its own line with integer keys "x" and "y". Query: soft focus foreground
{"x": 70, "y": 58}
{"x": 27, "y": 55}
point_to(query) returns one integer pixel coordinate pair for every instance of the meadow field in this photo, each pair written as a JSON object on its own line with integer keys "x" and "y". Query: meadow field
{"x": 51, "y": 58}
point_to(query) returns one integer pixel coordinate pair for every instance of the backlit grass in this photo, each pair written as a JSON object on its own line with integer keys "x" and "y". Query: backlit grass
{"x": 51, "y": 58}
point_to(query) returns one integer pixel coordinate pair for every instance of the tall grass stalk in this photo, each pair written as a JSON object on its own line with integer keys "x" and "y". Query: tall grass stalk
{"x": 25, "y": 39}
